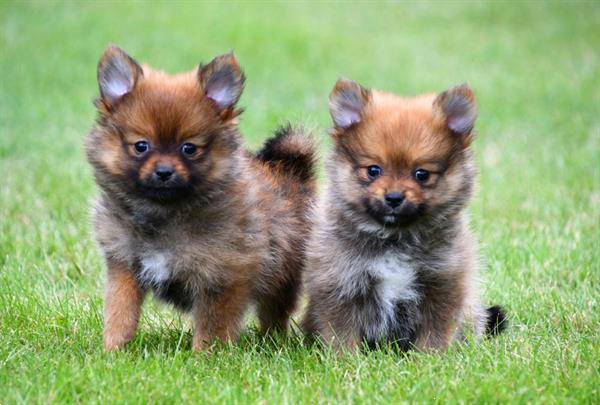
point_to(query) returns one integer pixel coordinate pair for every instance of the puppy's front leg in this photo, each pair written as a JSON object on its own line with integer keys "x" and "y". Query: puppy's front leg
{"x": 122, "y": 304}
{"x": 438, "y": 327}
{"x": 219, "y": 315}
{"x": 440, "y": 310}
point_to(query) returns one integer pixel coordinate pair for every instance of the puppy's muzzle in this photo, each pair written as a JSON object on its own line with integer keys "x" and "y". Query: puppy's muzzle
{"x": 394, "y": 199}
{"x": 163, "y": 173}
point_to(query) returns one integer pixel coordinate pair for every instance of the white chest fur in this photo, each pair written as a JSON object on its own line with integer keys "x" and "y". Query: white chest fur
{"x": 155, "y": 268}
{"x": 396, "y": 278}
{"x": 396, "y": 282}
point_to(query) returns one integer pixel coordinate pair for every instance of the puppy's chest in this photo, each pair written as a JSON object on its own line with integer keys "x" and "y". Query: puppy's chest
{"x": 159, "y": 264}
{"x": 170, "y": 254}
{"x": 391, "y": 288}
{"x": 393, "y": 278}
{"x": 156, "y": 267}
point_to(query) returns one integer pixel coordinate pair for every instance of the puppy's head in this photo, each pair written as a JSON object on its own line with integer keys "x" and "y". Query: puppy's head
{"x": 165, "y": 138}
{"x": 399, "y": 160}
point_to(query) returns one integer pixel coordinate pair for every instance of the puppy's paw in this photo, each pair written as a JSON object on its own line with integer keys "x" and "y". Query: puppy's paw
{"x": 113, "y": 342}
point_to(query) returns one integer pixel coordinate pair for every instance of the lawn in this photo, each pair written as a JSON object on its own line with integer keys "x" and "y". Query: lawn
{"x": 535, "y": 68}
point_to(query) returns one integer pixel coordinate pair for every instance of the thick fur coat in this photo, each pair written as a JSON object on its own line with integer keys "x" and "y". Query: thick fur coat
{"x": 391, "y": 257}
{"x": 184, "y": 210}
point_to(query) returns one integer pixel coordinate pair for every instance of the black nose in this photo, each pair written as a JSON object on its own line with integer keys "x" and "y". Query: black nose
{"x": 394, "y": 199}
{"x": 163, "y": 172}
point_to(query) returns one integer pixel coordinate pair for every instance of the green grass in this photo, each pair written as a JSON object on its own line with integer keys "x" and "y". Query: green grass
{"x": 535, "y": 68}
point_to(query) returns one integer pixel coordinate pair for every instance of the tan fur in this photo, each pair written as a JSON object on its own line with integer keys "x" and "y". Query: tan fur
{"x": 122, "y": 310}
{"x": 220, "y": 316}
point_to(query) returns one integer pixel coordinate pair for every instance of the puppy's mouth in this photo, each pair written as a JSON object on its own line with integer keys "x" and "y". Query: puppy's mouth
{"x": 398, "y": 219}
{"x": 164, "y": 192}
{"x": 401, "y": 216}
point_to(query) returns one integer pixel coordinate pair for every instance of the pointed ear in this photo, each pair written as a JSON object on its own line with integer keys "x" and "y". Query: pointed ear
{"x": 118, "y": 74}
{"x": 347, "y": 102}
{"x": 457, "y": 106}
{"x": 222, "y": 80}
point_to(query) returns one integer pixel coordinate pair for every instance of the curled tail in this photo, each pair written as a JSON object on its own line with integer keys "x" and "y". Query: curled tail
{"x": 291, "y": 150}
{"x": 496, "y": 320}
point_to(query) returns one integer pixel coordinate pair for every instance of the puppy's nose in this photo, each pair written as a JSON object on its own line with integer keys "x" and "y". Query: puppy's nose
{"x": 163, "y": 172}
{"x": 394, "y": 199}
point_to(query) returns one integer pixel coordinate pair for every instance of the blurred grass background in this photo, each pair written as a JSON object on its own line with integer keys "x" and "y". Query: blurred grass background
{"x": 535, "y": 69}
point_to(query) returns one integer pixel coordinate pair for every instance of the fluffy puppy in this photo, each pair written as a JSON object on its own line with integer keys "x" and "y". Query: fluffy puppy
{"x": 184, "y": 211}
{"x": 391, "y": 257}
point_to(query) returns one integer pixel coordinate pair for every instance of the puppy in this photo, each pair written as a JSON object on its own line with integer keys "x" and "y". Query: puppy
{"x": 184, "y": 211}
{"x": 391, "y": 257}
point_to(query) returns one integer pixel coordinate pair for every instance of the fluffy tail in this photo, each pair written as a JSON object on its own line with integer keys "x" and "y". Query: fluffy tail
{"x": 292, "y": 150}
{"x": 496, "y": 320}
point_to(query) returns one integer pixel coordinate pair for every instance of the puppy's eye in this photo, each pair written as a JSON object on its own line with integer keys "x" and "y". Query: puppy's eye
{"x": 141, "y": 147}
{"x": 374, "y": 171}
{"x": 421, "y": 175}
{"x": 189, "y": 149}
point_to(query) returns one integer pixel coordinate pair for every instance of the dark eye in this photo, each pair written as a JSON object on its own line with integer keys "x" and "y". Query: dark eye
{"x": 374, "y": 171}
{"x": 421, "y": 175}
{"x": 141, "y": 147}
{"x": 188, "y": 149}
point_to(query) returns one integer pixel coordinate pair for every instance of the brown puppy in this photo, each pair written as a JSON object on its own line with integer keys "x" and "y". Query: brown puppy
{"x": 391, "y": 258}
{"x": 184, "y": 210}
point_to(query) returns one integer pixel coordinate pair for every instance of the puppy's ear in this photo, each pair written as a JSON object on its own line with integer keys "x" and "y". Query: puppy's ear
{"x": 118, "y": 74}
{"x": 222, "y": 81}
{"x": 347, "y": 102}
{"x": 457, "y": 106}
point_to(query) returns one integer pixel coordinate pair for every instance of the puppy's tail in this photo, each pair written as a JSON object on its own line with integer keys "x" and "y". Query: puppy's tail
{"x": 293, "y": 151}
{"x": 496, "y": 320}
